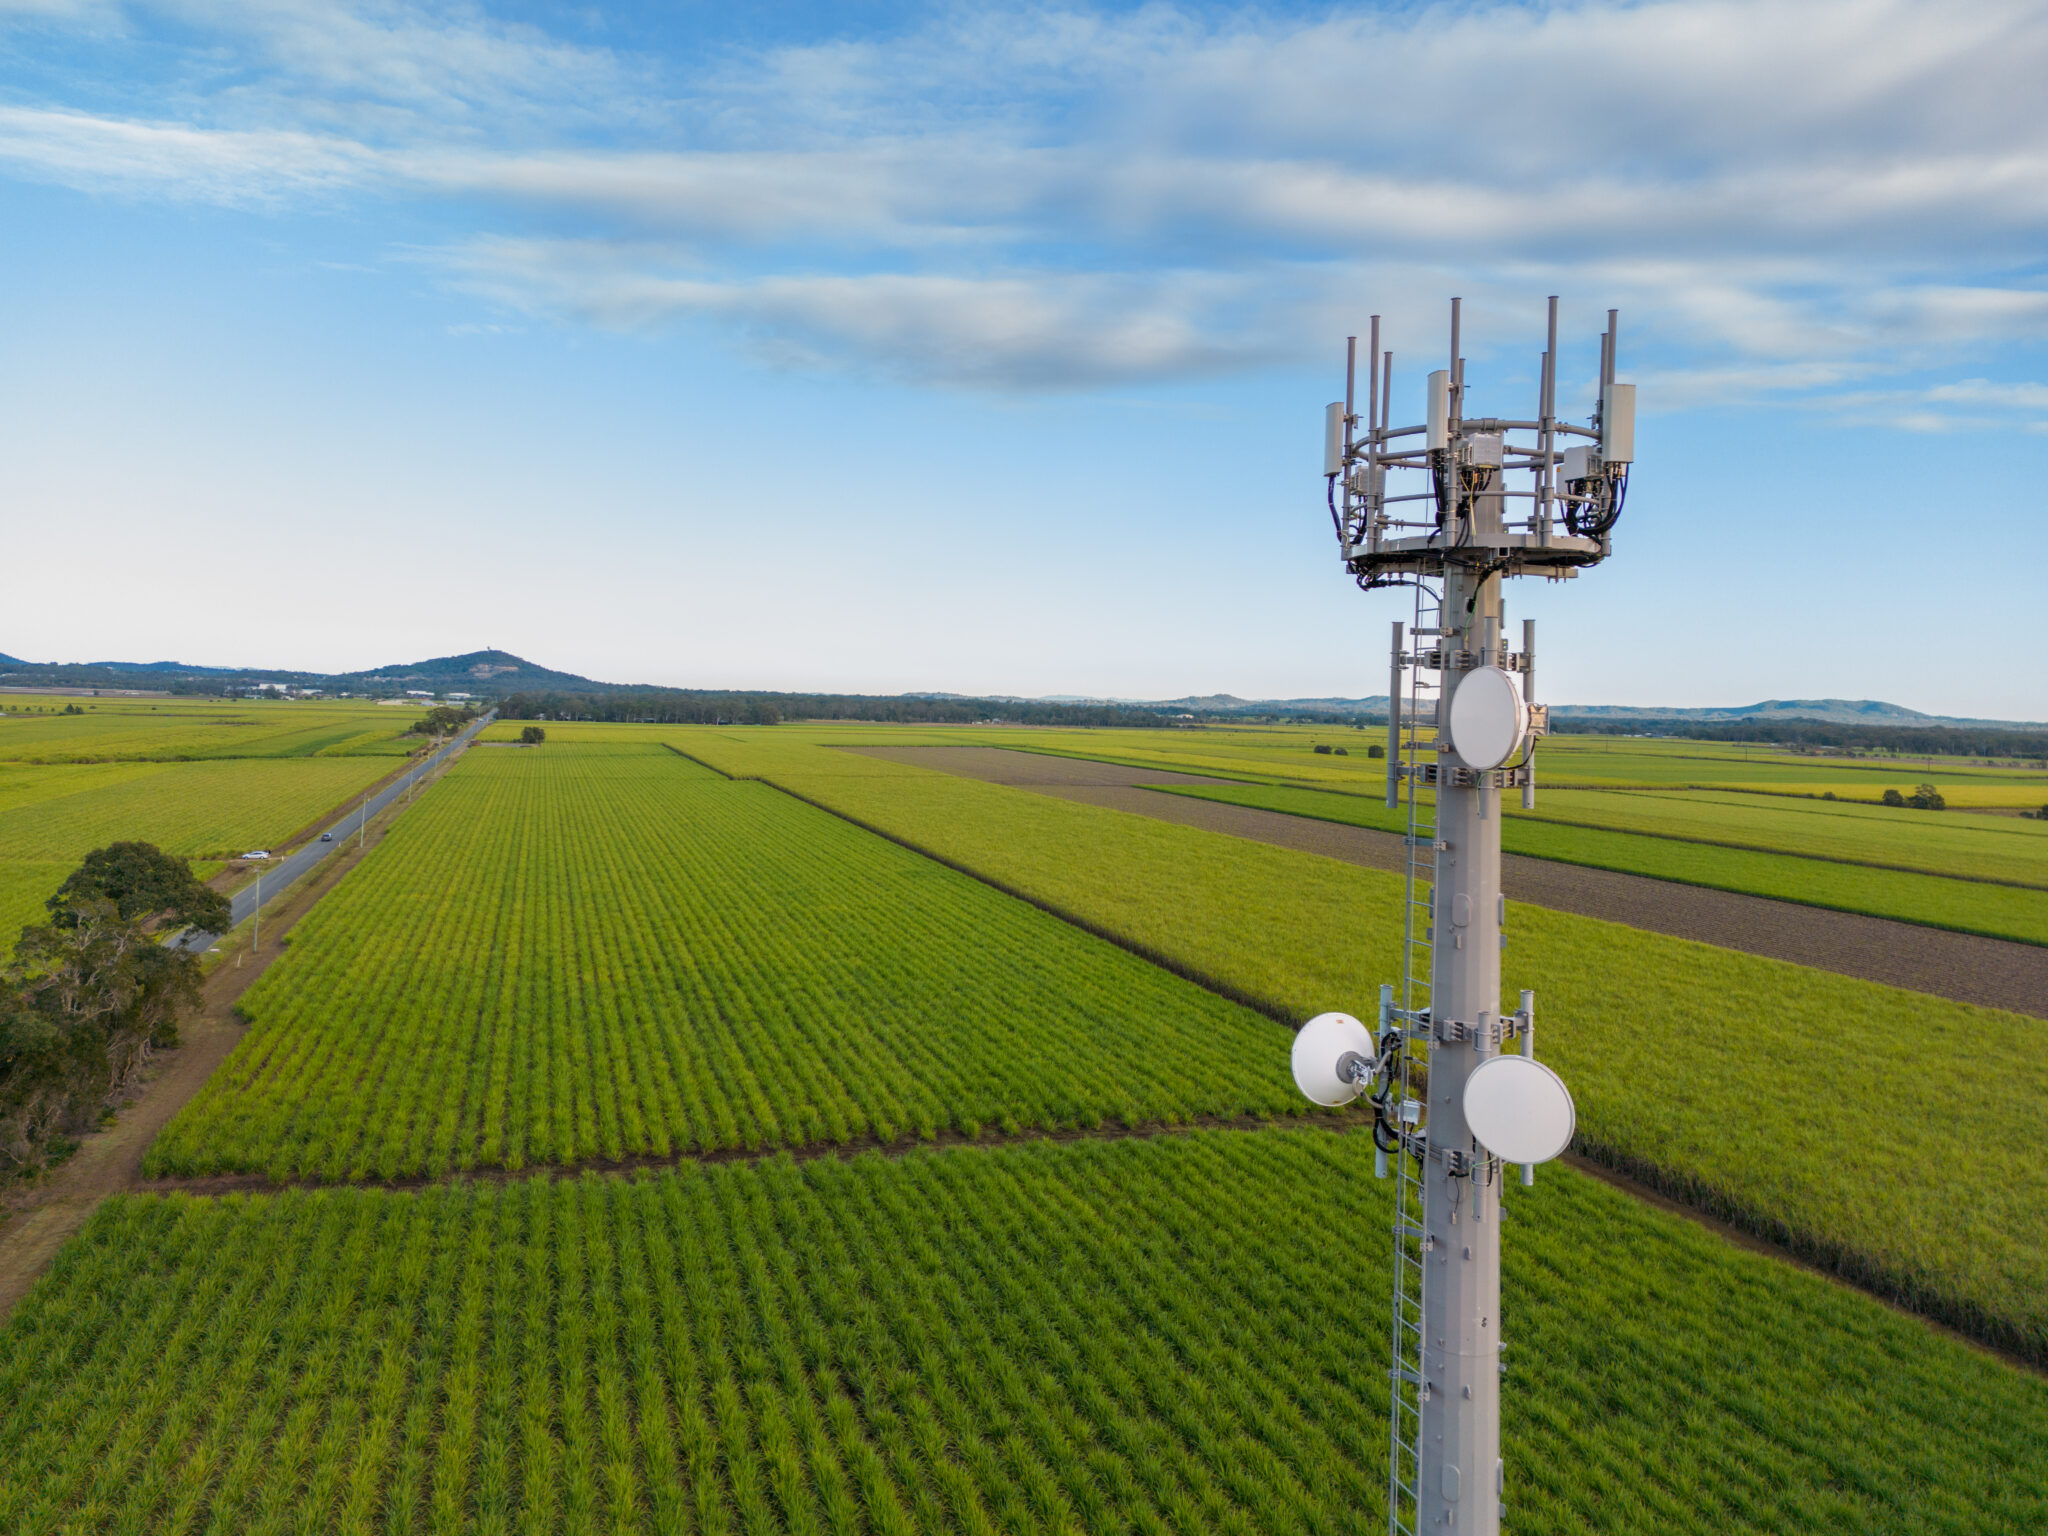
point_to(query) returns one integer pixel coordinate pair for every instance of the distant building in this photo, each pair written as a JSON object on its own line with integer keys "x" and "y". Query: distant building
{"x": 458, "y": 698}
{"x": 419, "y": 693}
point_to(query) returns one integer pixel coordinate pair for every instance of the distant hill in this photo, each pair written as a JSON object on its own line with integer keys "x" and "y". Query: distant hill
{"x": 492, "y": 672}
{"x": 500, "y": 674}
{"x": 484, "y": 673}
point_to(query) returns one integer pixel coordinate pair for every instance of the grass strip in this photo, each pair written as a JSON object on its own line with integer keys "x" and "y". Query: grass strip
{"x": 1963, "y": 906}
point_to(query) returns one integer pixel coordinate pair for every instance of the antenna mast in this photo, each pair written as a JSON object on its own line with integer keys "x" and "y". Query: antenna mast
{"x": 1431, "y": 507}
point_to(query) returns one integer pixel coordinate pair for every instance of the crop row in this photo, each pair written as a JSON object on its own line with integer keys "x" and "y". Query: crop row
{"x": 1968, "y": 906}
{"x": 1178, "y": 1335}
{"x": 582, "y": 952}
{"x": 1828, "y": 1112}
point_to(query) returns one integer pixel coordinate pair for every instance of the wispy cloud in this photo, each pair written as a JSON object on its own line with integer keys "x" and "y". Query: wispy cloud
{"x": 1790, "y": 198}
{"x": 1031, "y": 331}
{"x": 177, "y": 160}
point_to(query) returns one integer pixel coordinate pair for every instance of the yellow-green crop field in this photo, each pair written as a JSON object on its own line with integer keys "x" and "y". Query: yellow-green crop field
{"x": 1766, "y": 837}
{"x": 597, "y": 951}
{"x": 604, "y": 950}
{"x": 206, "y": 781}
{"x": 1798, "y": 1102}
{"x": 1285, "y": 754}
{"x": 201, "y": 810}
{"x": 1995, "y": 910}
{"x": 1181, "y": 1335}
{"x": 111, "y": 729}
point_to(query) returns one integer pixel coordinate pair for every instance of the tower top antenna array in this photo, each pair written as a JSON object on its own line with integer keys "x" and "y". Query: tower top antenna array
{"x": 1449, "y": 507}
{"x": 1460, "y": 506}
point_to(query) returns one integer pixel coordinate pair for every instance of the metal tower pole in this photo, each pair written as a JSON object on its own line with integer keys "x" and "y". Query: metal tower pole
{"x": 1460, "y": 1484}
{"x": 1461, "y": 526}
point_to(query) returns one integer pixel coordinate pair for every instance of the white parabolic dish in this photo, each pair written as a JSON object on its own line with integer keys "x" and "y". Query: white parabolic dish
{"x": 1318, "y": 1046}
{"x": 1488, "y": 718}
{"x": 1519, "y": 1109}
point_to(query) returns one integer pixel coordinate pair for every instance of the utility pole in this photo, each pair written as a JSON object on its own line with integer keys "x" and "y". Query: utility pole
{"x": 1462, "y": 733}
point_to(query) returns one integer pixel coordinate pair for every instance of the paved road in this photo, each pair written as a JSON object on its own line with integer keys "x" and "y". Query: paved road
{"x": 280, "y": 875}
{"x": 1992, "y": 972}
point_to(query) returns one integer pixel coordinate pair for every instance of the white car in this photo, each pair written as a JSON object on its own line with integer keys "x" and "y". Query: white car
{"x": 260, "y": 853}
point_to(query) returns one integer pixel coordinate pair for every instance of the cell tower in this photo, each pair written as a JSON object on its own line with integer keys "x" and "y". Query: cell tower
{"x": 1454, "y": 1102}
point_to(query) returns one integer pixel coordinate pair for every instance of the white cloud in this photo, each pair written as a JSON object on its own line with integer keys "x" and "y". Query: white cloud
{"x": 2009, "y": 397}
{"x": 399, "y": 65}
{"x": 1784, "y": 197}
{"x": 1031, "y": 331}
{"x": 214, "y": 164}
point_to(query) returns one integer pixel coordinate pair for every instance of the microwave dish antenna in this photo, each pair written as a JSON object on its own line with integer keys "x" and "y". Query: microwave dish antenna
{"x": 1451, "y": 506}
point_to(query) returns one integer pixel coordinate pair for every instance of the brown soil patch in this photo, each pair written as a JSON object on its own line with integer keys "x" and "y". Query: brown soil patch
{"x": 1966, "y": 968}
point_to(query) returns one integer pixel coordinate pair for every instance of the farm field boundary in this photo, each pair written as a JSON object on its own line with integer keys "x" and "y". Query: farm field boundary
{"x": 1943, "y": 962}
{"x": 1175, "y": 964}
{"x": 1992, "y": 909}
{"x": 1283, "y": 755}
{"x": 1589, "y": 1163}
{"x": 1615, "y": 827}
{"x": 713, "y": 1157}
{"x": 1363, "y": 811}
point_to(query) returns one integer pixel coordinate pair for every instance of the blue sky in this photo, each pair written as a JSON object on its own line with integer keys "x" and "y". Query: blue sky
{"x": 984, "y": 348}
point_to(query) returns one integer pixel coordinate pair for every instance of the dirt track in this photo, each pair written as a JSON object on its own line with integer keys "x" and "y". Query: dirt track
{"x": 1961, "y": 966}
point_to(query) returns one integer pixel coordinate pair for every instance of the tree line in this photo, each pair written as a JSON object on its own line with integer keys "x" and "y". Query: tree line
{"x": 92, "y": 993}
{"x": 691, "y": 706}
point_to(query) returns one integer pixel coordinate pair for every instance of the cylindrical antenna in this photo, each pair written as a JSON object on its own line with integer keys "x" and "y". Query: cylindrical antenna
{"x": 1350, "y": 399}
{"x": 1613, "y": 343}
{"x": 1546, "y": 481}
{"x": 1457, "y": 372}
{"x": 1550, "y": 350}
{"x": 1350, "y": 381}
{"x": 1529, "y": 697}
{"x": 1606, "y": 368}
{"x": 1529, "y": 1050}
{"x": 1372, "y": 383}
{"x": 1394, "y": 686}
{"x": 1386, "y": 391}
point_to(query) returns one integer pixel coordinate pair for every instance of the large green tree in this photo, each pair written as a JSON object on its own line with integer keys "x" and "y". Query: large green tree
{"x": 93, "y": 992}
